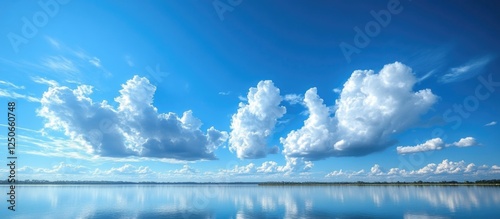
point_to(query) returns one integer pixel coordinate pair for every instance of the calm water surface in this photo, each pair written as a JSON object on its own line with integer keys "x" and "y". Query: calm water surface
{"x": 252, "y": 201}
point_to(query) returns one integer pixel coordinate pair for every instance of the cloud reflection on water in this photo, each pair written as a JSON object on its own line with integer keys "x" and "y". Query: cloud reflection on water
{"x": 250, "y": 201}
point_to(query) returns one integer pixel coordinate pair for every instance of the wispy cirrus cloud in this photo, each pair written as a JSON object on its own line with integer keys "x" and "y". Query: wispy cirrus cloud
{"x": 129, "y": 61}
{"x": 76, "y": 58}
{"x": 25, "y": 66}
{"x": 427, "y": 75}
{"x": 466, "y": 71}
{"x": 84, "y": 59}
{"x": 14, "y": 95}
{"x": 60, "y": 64}
{"x": 40, "y": 80}
{"x": 491, "y": 123}
{"x": 95, "y": 61}
{"x": 12, "y": 85}
{"x": 9, "y": 93}
{"x": 429, "y": 61}
{"x": 53, "y": 42}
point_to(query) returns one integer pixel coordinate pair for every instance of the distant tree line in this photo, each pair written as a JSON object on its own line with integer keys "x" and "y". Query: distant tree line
{"x": 90, "y": 182}
{"x": 495, "y": 182}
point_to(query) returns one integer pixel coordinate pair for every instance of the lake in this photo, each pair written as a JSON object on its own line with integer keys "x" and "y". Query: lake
{"x": 253, "y": 201}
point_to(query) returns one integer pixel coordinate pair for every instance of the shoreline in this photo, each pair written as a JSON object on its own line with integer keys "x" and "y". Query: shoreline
{"x": 262, "y": 184}
{"x": 282, "y": 183}
{"x": 377, "y": 184}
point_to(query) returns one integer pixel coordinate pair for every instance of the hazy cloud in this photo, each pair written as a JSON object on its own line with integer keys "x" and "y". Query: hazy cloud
{"x": 293, "y": 98}
{"x": 129, "y": 61}
{"x": 224, "y": 93}
{"x": 61, "y": 168}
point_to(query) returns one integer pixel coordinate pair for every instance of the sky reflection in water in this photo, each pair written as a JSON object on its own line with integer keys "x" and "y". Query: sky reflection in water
{"x": 252, "y": 201}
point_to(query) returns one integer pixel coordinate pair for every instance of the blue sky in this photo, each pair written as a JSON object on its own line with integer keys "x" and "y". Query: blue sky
{"x": 253, "y": 90}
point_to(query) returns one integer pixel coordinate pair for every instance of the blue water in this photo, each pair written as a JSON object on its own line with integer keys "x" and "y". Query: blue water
{"x": 252, "y": 201}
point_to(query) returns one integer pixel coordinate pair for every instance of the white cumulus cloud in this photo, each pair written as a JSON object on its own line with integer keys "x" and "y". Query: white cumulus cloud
{"x": 371, "y": 108}
{"x": 247, "y": 169}
{"x": 292, "y": 166}
{"x": 185, "y": 170}
{"x": 126, "y": 169}
{"x": 254, "y": 122}
{"x": 375, "y": 170}
{"x": 135, "y": 128}
{"x": 316, "y": 136}
{"x": 436, "y": 144}
{"x": 430, "y": 145}
{"x": 466, "y": 142}
{"x": 267, "y": 167}
{"x": 446, "y": 168}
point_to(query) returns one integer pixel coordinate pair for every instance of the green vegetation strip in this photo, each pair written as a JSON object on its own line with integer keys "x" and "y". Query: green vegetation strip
{"x": 494, "y": 182}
